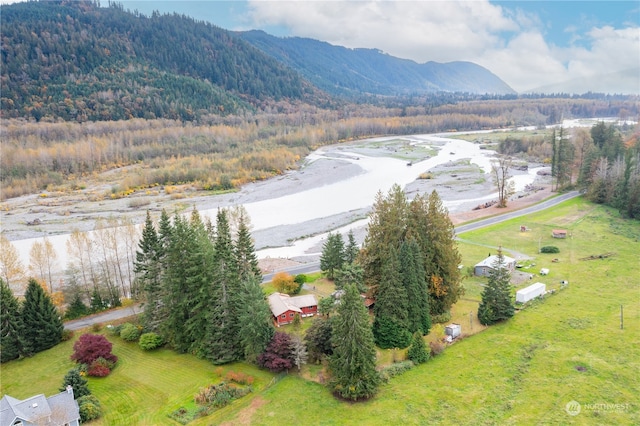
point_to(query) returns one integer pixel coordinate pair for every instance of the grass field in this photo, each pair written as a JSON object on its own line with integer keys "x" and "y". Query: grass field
{"x": 567, "y": 347}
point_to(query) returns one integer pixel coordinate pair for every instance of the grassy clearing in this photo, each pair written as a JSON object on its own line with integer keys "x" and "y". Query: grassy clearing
{"x": 568, "y": 347}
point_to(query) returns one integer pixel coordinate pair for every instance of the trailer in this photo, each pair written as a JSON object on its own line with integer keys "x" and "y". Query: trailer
{"x": 453, "y": 330}
{"x": 528, "y": 293}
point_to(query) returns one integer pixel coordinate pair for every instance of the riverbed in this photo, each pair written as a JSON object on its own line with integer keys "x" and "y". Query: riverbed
{"x": 333, "y": 190}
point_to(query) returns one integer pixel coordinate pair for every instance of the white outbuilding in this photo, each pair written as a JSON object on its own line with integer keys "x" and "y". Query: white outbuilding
{"x": 528, "y": 293}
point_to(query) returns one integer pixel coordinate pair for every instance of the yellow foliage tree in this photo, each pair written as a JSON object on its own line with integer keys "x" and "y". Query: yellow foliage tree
{"x": 284, "y": 283}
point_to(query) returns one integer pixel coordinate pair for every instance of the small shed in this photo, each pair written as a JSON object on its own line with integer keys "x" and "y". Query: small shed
{"x": 483, "y": 268}
{"x": 453, "y": 330}
{"x": 559, "y": 233}
{"x": 528, "y": 293}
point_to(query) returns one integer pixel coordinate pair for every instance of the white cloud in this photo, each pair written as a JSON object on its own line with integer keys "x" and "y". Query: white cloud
{"x": 510, "y": 43}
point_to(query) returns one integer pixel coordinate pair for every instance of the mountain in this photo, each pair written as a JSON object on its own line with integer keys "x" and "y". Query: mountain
{"x": 341, "y": 71}
{"x": 77, "y": 61}
{"x": 625, "y": 82}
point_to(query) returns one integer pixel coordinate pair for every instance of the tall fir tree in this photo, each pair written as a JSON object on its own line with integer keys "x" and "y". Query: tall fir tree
{"x": 418, "y": 352}
{"x": 353, "y": 362}
{"x": 441, "y": 258}
{"x": 42, "y": 324}
{"x": 147, "y": 268}
{"x": 245, "y": 253}
{"x": 413, "y": 277}
{"x": 222, "y": 342}
{"x": 351, "y": 250}
{"x": 255, "y": 320}
{"x": 11, "y": 326}
{"x": 387, "y": 229}
{"x": 178, "y": 297}
{"x": 333, "y": 255}
{"x": 199, "y": 270}
{"x": 497, "y": 301}
{"x": 391, "y": 324}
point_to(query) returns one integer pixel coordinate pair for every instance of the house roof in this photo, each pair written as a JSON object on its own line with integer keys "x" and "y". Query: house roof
{"x": 281, "y": 303}
{"x": 58, "y": 409}
{"x": 491, "y": 260}
{"x": 559, "y": 231}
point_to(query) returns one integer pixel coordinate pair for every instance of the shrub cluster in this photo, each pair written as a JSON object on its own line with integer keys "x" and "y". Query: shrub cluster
{"x": 90, "y": 408}
{"x": 395, "y": 369}
{"x": 441, "y": 319}
{"x": 150, "y": 341}
{"x": 130, "y": 332}
{"x": 437, "y": 347}
{"x": 549, "y": 249}
{"x": 219, "y": 395}
{"x": 94, "y": 352}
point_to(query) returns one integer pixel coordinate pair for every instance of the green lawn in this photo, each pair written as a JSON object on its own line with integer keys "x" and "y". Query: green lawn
{"x": 568, "y": 347}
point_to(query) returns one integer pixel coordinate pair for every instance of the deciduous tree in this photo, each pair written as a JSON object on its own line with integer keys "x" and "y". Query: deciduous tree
{"x": 11, "y": 267}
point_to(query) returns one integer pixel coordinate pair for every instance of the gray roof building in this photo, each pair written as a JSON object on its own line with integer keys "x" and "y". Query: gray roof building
{"x": 57, "y": 410}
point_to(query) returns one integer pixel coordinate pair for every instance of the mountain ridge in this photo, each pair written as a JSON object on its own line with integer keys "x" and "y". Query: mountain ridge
{"x": 340, "y": 70}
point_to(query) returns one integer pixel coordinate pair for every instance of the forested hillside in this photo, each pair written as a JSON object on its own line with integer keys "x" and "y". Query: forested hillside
{"x": 343, "y": 71}
{"x": 78, "y": 61}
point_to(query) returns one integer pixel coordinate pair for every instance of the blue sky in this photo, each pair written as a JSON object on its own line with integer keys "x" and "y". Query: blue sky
{"x": 529, "y": 44}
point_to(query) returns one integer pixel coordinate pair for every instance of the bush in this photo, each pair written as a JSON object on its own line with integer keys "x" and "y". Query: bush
{"x": 441, "y": 319}
{"x": 549, "y": 249}
{"x": 67, "y": 335}
{"x": 90, "y": 347}
{"x": 396, "y": 369}
{"x": 150, "y": 341}
{"x": 89, "y": 408}
{"x": 98, "y": 370}
{"x": 436, "y": 348}
{"x": 130, "y": 332}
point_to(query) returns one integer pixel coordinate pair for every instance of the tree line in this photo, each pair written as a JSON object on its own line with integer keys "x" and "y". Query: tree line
{"x": 603, "y": 161}
{"x": 226, "y": 152}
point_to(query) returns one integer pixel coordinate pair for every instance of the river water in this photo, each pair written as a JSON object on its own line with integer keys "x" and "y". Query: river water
{"x": 354, "y": 192}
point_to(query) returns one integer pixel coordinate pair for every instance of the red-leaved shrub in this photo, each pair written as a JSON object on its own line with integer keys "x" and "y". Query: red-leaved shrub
{"x": 98, "y": 370}
{"x": 90, "y": 347}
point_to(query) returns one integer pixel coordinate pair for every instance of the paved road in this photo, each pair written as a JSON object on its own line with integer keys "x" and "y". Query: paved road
{"x": 517, "y": 213}
{"x": 315, "y": 266}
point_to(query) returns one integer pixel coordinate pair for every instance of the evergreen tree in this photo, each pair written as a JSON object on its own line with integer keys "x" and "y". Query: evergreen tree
{"x": 42, "y": 324}
{"x": 439, "y": 247}
{"x": 497, "y": 301}
{"x": 390, "y": 326}
{"x": 318, "y": 339}
{"x": 222, "y": 342}
{"x": 77, "y": 382}
{"x": 353, "y": 363}
{"x": 350, "y": 273}
{"x": 418, "y": 352}
{"x": 387, "y": 229}
{"x": 77, "y": 308}
{"x": 147, "y": 268}
{"x": 245, "y": 253}
{"x": 199, "y": 269}
{"x": 351, "y": 250}
{"x": 413, "y": 277}
{"x": 179, "y": 296}
{"x": 333, "y": 255}
{"x": 255, "y": 319}
{"x": 11, "y": 326}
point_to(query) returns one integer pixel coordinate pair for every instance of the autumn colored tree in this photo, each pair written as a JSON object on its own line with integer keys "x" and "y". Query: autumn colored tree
{"x": 500, "y": 172}
{"x": 11, "y": 268}
{"x": 278, "y": 355}
{"x": 284, "y": 283}
{"x": 90, "y": 347}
